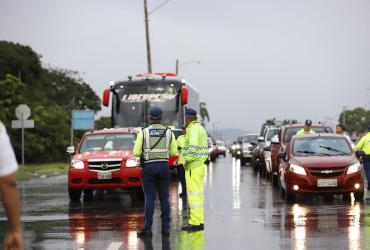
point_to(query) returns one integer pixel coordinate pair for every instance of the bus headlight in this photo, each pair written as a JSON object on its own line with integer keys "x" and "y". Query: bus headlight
{"x": 77, "y": 164}
{"x": 354, "y": 168}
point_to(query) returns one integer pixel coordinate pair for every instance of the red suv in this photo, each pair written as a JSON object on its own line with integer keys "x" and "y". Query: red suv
{"x": 278, "y": 145}
{"x": 320, "y": 164}
{"x": 104, "y": 160}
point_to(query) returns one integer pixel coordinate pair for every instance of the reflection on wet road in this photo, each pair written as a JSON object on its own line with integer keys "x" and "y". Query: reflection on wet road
{"x": 243, "y": 211}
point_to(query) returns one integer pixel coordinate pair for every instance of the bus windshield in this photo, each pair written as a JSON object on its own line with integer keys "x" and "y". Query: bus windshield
{"x": 137, "y": 98}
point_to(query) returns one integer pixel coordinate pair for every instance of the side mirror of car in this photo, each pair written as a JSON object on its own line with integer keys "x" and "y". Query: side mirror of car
{"x": 275, "y": 140}
{"x": 71, "y": 150}
{"x": 261, "y": 139}
{"x": 268, "y": 149}
{"x": 282, "y": 155}
{"x": 253, "y": 143}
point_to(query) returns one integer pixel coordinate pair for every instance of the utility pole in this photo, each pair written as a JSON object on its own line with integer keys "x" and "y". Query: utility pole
{"x": 177, "y": 66}
{"x": 149, "y": 58}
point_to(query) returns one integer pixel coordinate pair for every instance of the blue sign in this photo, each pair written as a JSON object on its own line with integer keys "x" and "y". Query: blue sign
{"x": 83, "y": 119}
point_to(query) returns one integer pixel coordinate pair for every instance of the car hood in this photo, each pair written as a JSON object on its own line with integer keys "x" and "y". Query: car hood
{"x": 324, "y": 161}
{"x": 119, "y": 154}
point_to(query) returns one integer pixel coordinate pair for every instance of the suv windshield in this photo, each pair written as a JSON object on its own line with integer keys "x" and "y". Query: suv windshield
{"x": 108, "y": 142}
{"x": 319, "y": 146}
{"x": 290, "y": 132}
{"x": 251, "y": 139}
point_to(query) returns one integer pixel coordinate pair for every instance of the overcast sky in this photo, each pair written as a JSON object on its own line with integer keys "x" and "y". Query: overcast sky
{"x": 259, "y": 58}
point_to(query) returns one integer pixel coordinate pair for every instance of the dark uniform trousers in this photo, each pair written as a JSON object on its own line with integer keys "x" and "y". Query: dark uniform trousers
{"x": 366, "y": 163}
{"x": 156, "y": 179}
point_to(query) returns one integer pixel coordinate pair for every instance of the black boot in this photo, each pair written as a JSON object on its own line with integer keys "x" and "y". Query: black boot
{"x": 144, "y": 233}
{"x": 193, "y": 228}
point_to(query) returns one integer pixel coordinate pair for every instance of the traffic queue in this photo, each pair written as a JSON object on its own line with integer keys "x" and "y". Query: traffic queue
{"x": 306, "y": 159}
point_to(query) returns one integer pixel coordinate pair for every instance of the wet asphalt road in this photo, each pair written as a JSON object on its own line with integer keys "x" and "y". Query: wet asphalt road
{"x": 243, "y": 211}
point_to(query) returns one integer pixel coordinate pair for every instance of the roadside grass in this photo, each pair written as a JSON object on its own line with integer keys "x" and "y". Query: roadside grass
{"x": 40, "y": 170}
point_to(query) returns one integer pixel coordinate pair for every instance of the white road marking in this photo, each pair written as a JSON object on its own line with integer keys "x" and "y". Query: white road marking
{"x": 114, "y": 246}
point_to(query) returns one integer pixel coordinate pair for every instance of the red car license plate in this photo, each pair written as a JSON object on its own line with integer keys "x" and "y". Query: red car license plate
{"x": 104, "y": 175}
{"x": 327, "y": 183}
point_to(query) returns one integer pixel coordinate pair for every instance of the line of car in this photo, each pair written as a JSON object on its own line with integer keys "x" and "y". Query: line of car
{"x": 104, "y": 160}
{"x": 321, "y": 163}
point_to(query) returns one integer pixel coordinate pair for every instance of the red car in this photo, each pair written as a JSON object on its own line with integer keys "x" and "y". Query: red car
{"x": 278, "y": 145}
{"x": 320, "y": 164}
{"x": 104, "y": 160}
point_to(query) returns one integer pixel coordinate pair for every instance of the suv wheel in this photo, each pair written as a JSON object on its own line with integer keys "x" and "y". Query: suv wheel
{"x": 74, "y": 194}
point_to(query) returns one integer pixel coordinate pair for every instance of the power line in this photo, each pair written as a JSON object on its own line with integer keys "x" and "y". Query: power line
{"x": 160, "y": 6}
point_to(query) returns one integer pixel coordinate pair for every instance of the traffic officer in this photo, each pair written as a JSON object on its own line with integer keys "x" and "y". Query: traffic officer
{"x": 181, "y": 162}
{"x": 307, "y": 129}
{"x": 195, "y": 154}
{"x": 8, "y": 189}
{"x": 364, "y": 145}
{"x": 154, "y": 145}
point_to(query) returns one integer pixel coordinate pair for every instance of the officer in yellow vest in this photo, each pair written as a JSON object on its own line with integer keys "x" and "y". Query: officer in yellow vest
{"x": 307, "y": 129}
{"x": 195, "y": 154}
{"x": 154, "y": 145}
{"x": 181, "y": 162}
{"x": 364, "y": 145}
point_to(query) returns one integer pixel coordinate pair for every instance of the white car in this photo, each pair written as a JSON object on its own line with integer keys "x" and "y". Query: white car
{"x": 249, "y": 142}
{"x": 270, "y": 133}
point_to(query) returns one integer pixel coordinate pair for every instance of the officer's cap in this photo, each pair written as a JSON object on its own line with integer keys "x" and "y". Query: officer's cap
{"x": 156, "y": 113}
{"x": 308, "y": 122}
{"x": 190, "y": 112}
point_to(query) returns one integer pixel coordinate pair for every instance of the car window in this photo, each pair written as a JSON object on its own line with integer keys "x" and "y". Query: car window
{"x": 320, "y": 146}
{"x": 108, "y": 142}
{"x": 290, "y": 132}
{"x": 271, "y": 133}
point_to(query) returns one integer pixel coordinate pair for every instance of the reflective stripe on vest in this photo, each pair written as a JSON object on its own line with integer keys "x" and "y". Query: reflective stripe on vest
{"x": 161, "y": 150}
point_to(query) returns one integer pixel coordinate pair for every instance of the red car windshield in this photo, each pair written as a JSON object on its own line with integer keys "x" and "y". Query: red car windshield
{"x": 320, "y": 146}
{"x": 108, "y": 142}
{"x": 290, "y": 132}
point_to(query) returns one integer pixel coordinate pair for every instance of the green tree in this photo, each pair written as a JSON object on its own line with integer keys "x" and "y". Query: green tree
{"x": 356, "y": 120}
{"x": 10, "y": 97}
{"x": 103, "y": 122}
{"x": 50, "y": 93}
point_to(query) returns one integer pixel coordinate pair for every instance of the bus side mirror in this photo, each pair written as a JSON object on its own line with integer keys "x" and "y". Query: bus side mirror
{"x": 106, "y": 95}
{"x": 184, "y": 95}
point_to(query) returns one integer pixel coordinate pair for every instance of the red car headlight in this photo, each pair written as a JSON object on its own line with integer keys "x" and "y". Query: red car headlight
{"x": 77, "y": 164}
{"x": 354, "y": 168}
{"x": 133, "y": 162}
{"x": 297, "y": 169}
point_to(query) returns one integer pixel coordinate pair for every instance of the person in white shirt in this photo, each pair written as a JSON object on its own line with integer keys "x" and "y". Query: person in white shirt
{"x": 8, "y": 189}
{"x": 340, "y": 129}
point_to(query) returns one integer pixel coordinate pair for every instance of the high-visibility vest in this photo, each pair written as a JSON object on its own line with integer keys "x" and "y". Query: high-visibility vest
{"x": 196, "y": 146}
{"x": 303, "y": 132}
{"x": 160, "y": 137}
{"x": 180, "y": 146}
{"x": 364, "y": 144}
